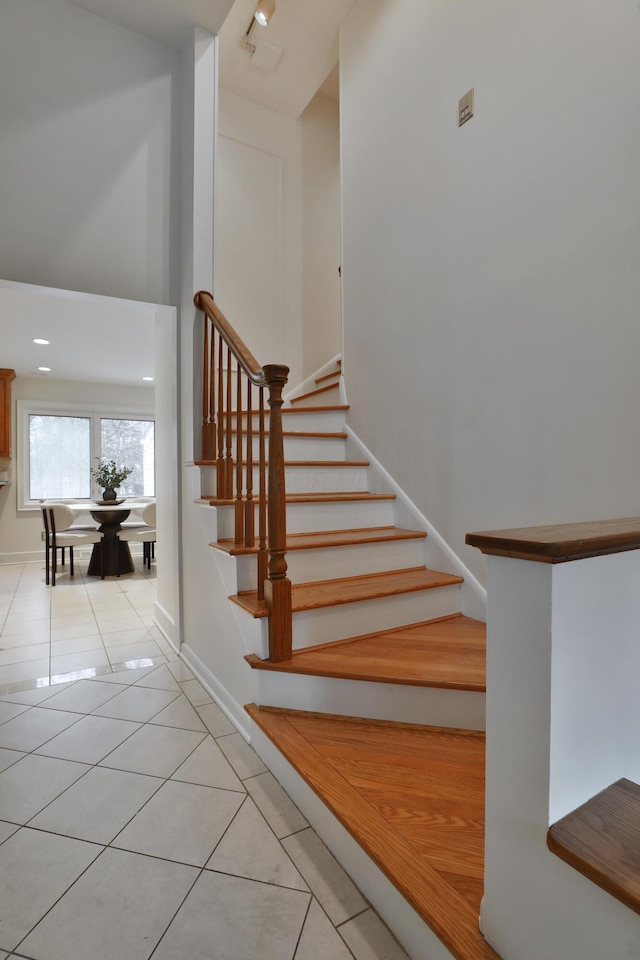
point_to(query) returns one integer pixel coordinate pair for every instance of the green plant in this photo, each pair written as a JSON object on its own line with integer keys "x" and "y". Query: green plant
{"x": 108, "y": 474}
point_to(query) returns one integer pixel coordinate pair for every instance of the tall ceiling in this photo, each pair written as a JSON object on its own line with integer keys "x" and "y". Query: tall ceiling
{"x": 301, "y": 38}
{"x": 294, "y": 56}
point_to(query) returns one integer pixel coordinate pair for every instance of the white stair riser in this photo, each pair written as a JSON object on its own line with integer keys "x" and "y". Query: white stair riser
{"x": 376, "y": 701}
{"x": 330, "y": 563}
{"x": 302, "y": 448}
{"x": 314, "y": 479}
{"x": 308, "y": 517}
{"x": 313, "y": 421}
{"x": 343, "y": 620}
{"x": 306, "y": 479}
{"x": 329, "y": 396}
{"x": 325, "y": 479}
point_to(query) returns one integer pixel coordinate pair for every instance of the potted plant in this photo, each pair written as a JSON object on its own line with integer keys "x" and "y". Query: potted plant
{"x": 109, "y": 476}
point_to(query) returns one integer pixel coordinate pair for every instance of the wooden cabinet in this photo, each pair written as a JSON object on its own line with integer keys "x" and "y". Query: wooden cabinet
{"x": 6, "y": 376}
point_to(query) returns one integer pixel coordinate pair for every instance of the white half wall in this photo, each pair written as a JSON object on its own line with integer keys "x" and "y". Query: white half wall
{"x": 490, "y": 272}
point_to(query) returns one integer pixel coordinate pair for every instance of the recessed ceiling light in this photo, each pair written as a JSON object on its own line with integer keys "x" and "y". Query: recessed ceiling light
{"x": 39, "y": 340}
{"x": 148, "y": 378}
{"x": 44, "y": 369}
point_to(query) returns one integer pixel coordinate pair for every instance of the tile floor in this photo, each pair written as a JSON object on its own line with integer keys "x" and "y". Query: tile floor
{"x": 135, "y": 822}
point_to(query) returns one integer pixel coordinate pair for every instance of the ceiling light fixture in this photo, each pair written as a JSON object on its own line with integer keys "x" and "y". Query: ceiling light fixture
{"x": 264, "y": 11}
{"x": 262, "y": 14}
{"x": 44, "y": 369}
{"x": 150, "y": 379}
{"x": 40, "y": 340}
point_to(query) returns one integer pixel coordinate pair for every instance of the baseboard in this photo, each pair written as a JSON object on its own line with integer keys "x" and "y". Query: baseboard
{"x": 473, "y": 594}
{"x": 233, "y": 710}
{"x": 166, "y": 625}
{"x": 29, "y": 556}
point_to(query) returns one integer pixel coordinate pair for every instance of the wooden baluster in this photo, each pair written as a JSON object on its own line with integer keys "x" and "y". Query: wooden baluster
{"x": 239, "y": 538}
{"x": 249, "y": 518}
{"x": 206, "y": 381}
{"x": 228, "y": 474}
{"x": 212, "y": 394}
{"x": 278, "y": 586}
{"x": 220, "y": 468}
{"x": 262, "y": 499}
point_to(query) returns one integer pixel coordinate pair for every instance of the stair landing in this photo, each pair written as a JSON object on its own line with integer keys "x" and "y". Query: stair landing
{"x": 449, "y": 653}
{"x": 412, "y": 797}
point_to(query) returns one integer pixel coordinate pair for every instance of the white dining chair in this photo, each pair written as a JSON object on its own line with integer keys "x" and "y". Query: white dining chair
{"x": 59, "y": 533}
{"x": 145, "y": 535}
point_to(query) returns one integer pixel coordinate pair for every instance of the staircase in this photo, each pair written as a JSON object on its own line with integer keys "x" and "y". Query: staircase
{"x": 378, "y": 709}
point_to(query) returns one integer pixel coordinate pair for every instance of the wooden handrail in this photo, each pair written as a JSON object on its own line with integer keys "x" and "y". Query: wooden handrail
{"x": 235, "y": 480}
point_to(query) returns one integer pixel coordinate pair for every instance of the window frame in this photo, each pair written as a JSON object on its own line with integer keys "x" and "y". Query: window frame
{"x": 94, "y": 412}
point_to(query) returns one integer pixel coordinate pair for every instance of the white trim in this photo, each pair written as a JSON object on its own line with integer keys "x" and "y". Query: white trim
{"x": 473, "y": 595}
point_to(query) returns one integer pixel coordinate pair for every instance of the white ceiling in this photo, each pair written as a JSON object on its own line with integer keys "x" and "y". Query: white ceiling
{"x": 92, "y": 339}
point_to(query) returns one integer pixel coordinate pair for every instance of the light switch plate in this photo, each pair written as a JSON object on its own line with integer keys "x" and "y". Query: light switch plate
{"x": 465, "y": 108}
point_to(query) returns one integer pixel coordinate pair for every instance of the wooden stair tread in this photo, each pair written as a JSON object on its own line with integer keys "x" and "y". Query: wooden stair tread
{"x": 412, "y": 797}
{"x": 347, "y": 496}
{"x": 331, "y": 538}
{"x": 449, "y": 653}
{"x": 372, "y": 586}
{"x": 328, "y": 376}
{"x": 313, "y": 393}
{"x": 601, "y": 840}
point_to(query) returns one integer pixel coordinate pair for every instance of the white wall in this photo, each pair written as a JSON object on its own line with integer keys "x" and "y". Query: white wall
{"x": 20, "y": 530}
{"x": 86, "y": 153}
{"x": 322, "y": 295}
{"x": 258, "y": 254}
{"x": 490, "y": 275}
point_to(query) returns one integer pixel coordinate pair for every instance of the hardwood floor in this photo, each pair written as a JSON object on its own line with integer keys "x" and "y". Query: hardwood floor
{"x": 412, "y": 797}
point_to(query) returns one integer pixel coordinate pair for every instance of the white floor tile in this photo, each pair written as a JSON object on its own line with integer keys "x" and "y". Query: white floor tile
{"x": 9, "y": 757}
{"x": 215, "y": 720}
{"x": 195, "y": 692}
{"x": 369, "y": 939}
{"x": 336, "y": 892}
{"x": 33, "y": 670}
{"x": 320, "y": 940}
{"x": 161, "y": 678}
{"x": 29, "y": 785}
{"x": 124, "y": 901}
{"x": 84, "y": 696}
{"x": 34, "y": 727}
{"x": 277, "y": 915}
{"x": 89, "y": 740}
{"x": 275, "y": 805}
{"x": 135, "y": 651}
{"x": 250, "y": 849}
{"x": 98, "y": 806}
{"x": 141, "y": 703}
{"x": 205, "y": 814}
{"x": 9, "y": 710}
{"x": 243, "y": 758}
{"x": 21, "y": 653}
{"x": 180, "y": 713}
{"x": 69, "y": 662}
{"x": 35, "y": 870}
{"x": 208, "y": 766}
{"x": 155, "y": 751}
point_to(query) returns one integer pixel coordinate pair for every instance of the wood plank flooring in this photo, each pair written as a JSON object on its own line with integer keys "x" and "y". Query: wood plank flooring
{"x": 449, "y": 653}
{"x": 412, "y": 797}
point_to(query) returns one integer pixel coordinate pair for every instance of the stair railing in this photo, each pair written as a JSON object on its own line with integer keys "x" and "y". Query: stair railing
{"x": 225, "y": 358}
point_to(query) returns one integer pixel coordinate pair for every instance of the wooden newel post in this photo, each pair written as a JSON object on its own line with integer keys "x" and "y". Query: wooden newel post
{"x": 277, "y": 589}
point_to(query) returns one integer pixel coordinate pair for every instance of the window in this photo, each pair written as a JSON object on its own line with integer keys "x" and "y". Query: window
{"x": 62, "y": 445}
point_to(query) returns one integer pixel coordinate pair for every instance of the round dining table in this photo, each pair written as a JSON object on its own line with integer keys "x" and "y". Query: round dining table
{"x": 111, "y": 556}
